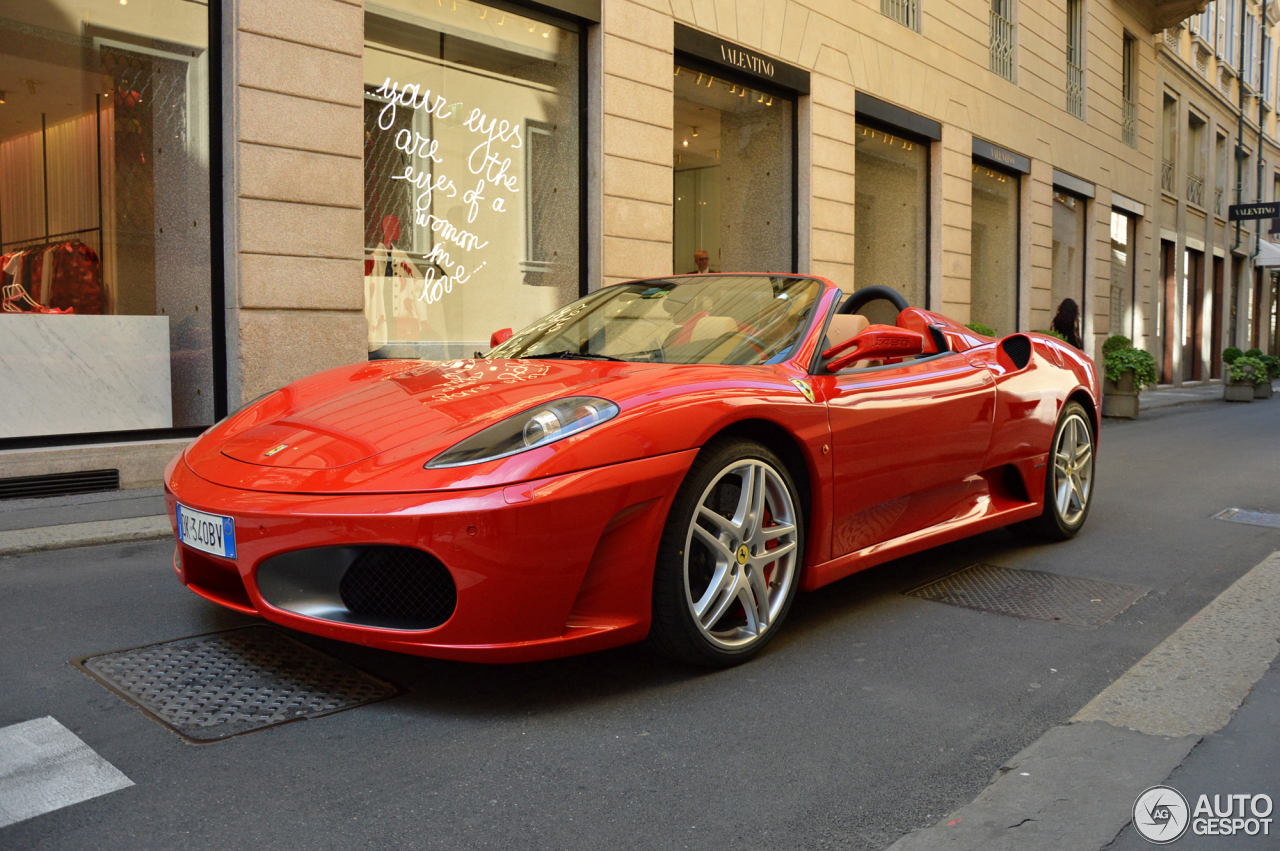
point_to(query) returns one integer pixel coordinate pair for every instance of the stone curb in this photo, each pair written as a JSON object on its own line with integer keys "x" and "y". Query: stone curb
{"x": 22, "y": 541}
{"x": 1074, "y": 787}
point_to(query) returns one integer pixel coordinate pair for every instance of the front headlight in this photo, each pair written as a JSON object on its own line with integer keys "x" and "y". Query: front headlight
{"x": 529, "y": 430}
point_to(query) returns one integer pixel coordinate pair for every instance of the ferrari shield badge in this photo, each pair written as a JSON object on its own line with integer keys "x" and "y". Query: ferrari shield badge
{"x": 803, "y": 387}
{"x": 275, "y": 449}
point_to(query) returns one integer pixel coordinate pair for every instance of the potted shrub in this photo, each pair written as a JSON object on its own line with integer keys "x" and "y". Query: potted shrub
{"x": 1127, "y": 372}
{"x": 1243, "y": 375}
{"x": 1270, "y": 369}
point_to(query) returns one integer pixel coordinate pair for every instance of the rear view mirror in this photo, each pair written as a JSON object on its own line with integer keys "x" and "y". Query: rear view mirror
{"x": 878, "y": 342}
{"x": 497, "y": 338}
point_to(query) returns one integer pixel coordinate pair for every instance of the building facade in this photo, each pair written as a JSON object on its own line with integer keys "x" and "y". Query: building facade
{"x": 201, "y": 202}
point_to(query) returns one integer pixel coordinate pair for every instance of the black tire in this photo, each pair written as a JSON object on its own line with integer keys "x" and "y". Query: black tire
{"x": 675, "y": 631}
{"x": 1052, "y": 524}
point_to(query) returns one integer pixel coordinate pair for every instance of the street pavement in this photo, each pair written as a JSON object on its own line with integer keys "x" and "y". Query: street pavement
{"x": 871, "y": 715}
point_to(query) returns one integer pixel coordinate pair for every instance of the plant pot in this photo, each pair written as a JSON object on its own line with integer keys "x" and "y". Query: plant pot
{"x": 1263, "y": 390}
{"x": 1119, "y": 398}
{"x": 1237, "y": 392}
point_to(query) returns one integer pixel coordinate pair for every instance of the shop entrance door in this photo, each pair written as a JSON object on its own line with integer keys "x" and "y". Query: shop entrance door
{"x": 1192, "y": 314}
{"x": 1215, "y": 330}
{"x": 1168, "y": 274}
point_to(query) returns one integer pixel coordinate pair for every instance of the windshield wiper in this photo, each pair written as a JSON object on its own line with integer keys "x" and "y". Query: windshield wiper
{"x": 567, "y": 355}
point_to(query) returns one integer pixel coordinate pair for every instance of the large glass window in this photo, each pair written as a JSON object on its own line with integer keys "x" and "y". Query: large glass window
{"x": 994, "y": 254}
{"x": 733, "y": 154}
{"x": 891, "y": 215}
{"x": 1068, "y": 251}
{"x": 104, "y": 217}
{"x": 1124, "y": 302}
{"x": 472, "y": 158}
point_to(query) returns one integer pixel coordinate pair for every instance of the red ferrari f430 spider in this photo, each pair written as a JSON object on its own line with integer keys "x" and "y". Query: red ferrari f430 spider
{"x": 668, "y": 460}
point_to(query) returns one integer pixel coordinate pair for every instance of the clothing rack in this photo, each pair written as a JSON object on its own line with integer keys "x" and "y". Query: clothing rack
{"x": 48, "y": 238}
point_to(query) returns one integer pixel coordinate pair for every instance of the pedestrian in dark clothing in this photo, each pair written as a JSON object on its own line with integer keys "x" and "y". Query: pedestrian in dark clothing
{"x": 1067, "y": 322}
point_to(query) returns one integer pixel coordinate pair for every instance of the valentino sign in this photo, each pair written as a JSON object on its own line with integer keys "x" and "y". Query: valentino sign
{"x": 742, "y": 59}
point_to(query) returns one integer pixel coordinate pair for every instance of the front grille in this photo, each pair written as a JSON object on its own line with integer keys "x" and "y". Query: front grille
{"x": 59, "y": 484}
{"x": 399, "y": 583}
{"x": 1018, "y": 348}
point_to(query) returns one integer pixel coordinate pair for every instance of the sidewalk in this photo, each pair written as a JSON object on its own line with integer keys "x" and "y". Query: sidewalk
{"x": 81, "y": 520}
{"x": 1074, "y": 788}
{"x": 1167, "y": 397}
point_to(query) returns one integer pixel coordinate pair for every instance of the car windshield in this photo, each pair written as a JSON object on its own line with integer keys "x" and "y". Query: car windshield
{"x": 709, "y": 319}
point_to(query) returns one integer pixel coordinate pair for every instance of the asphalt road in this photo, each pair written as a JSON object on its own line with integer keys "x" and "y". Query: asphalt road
{"x": 873, "y": 713}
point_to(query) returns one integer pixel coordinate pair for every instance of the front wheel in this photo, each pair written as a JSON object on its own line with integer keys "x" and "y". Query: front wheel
{"x": 1068, "y": 480}
{"x": 729, "y": 560}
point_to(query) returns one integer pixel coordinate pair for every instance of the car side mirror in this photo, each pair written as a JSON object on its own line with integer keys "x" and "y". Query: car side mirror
{"x": 497, "y": 338}
{"x": 877, "y": 342}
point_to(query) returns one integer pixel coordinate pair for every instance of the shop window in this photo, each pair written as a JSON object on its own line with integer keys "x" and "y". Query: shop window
{"x": 733, "y": 151}
{"x": 472, "y": 160}
{"x": 994, "y": 254}
{"x": 1068, "y": 252}
{"x": 104, "y": 218}
{"x": 891, "y": 214}
{"x": 1125, "y": 308}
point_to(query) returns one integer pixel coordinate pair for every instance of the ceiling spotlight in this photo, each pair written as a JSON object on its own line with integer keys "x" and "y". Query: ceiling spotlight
{"x": 695, "y": 130}
{"x": 124, "y": 2}
{"x": 685, "y": 143}
{"x": 3, "y": 95}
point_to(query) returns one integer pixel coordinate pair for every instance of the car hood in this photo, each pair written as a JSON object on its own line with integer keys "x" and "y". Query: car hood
{"x": 370, "y": 428}
{"x": 433, "y": 405}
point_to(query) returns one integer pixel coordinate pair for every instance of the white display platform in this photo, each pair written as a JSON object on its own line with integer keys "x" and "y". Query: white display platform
{"x": 74, "y": 374}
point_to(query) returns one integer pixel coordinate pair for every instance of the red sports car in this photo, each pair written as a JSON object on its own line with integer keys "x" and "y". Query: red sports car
{"x": 668, "y": 459}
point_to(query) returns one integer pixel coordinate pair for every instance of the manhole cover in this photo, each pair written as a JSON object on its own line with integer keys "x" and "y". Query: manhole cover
{"x": 1251, "y": 518}
{"x": 1032, "y": 594}
{"x": 210, "y": 687}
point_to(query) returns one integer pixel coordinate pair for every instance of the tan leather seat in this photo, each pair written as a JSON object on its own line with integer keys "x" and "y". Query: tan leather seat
{"x": 846, "y": 326}
{"x": 712, "y": 328}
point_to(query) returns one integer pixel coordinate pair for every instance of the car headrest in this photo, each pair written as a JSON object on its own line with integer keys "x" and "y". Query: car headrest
{"x": 713, "y": 327}
{"x": 846, "y": 326}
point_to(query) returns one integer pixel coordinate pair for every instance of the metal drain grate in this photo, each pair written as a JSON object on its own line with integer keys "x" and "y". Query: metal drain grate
{"x": 1032, "y": 594}
{"x": 210, "y": 687}
{"x": 1250, "y": 518}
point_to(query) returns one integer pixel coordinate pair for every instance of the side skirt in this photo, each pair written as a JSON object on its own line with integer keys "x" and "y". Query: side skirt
{"x": 984, "y": 514}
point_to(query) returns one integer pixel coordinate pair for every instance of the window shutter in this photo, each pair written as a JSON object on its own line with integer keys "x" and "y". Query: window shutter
{"x": 1222, "y": 29}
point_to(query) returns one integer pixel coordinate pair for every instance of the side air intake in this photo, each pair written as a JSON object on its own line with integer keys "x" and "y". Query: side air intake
{"x": 1018, "y": 349}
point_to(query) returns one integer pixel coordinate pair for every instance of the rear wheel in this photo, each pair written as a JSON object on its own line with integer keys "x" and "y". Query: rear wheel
{"x": 729, "y": 560}
{"x": 1068, "y": 480}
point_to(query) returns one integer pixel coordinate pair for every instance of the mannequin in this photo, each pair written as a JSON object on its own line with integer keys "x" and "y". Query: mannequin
{"x": 393, "y": 288}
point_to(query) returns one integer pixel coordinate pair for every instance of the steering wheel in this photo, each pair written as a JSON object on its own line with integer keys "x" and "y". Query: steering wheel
{"x": 866, "y": 295}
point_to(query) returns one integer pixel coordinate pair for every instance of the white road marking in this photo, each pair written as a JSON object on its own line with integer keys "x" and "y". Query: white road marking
{"x": 45, "y": 767}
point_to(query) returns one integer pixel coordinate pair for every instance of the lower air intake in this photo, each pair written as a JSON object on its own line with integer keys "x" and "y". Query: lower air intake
{"x": 399, "y": 583}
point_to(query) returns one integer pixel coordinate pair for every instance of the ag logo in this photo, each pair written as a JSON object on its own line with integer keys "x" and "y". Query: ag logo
{"x": 1161, "y": 815}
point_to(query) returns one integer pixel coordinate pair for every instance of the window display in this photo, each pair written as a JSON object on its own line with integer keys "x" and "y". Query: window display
{"x": 891, "y": 216}
{"x": 994, "y": 239}
{"x": 104, "y": 216}
{"x": 733, "y": 155}
{"x": 1068, "y": 250}
{"x": 471, "y": 163}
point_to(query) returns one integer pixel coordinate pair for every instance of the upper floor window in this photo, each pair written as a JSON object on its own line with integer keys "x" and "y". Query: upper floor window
{"x": 1003, "y": 39}
{"x": 905, "y": 12}
{"x": 1229, "y": 31}
{"x": 1129, "y": 91}
{"x": 1202, "y": 24}
{"x": 1075, "y": 58}
{"x": 1249, "y": 54}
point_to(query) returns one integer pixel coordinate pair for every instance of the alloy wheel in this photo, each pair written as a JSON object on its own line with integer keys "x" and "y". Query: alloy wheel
{"x": 740, "y": 554}
{"x": 1073, "y": 469}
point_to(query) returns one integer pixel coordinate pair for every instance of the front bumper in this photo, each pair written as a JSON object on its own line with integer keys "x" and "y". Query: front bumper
{"x": 543, "y": 569}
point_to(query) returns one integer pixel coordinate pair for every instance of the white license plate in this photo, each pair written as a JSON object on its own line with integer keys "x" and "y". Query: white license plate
{"x": 209, "y": 533}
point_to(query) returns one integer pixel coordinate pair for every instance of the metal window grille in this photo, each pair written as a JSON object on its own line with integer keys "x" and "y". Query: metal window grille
{"x": 1129, "y": 95}
{"x": 1075, "y": 57}
{"x": 905, "y": 12}
{"x": 1002, "y": 39}
{"x": 1166, "y": 176}
{"x": 1195, "y": 189}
